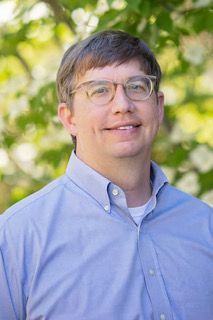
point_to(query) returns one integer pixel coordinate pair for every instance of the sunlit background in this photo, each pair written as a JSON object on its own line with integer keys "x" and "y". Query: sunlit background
{"x": 34, "y": 149}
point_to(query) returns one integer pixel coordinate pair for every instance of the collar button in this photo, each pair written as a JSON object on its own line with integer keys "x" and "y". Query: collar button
{"x": 106, "y": 207}
{"x": 115, "y": 192}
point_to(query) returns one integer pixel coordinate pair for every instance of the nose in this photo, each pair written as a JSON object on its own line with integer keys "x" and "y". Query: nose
{"x": 121, "y": 103}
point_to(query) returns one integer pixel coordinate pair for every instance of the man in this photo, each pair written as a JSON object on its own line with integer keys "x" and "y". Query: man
{"x": 111, "y": 239}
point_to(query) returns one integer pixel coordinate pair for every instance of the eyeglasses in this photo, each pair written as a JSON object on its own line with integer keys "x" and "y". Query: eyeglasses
{"x": 100, "y": 92}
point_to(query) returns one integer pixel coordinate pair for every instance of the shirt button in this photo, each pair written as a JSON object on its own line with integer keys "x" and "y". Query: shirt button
{"x": 106, "y": 207}
{"x": 162, "y": 316}
{"x": 152, "y": 272}
{"x": 115, "y": 192}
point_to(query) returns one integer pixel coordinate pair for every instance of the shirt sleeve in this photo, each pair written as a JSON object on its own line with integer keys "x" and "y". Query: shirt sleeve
{"x": 7, "y": 310}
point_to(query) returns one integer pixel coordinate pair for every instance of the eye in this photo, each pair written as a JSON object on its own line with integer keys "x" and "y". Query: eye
{"x": 137, "y": 87}
{"x": 97, "y": 90}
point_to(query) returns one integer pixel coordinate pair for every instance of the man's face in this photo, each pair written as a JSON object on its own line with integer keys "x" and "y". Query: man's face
{"x": 119, "y": 129}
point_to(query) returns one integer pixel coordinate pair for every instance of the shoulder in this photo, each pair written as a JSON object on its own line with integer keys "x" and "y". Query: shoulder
{"x": 34, "y": 204}
{"x": 183, "y": 216}
{"x": 183, "y": 207}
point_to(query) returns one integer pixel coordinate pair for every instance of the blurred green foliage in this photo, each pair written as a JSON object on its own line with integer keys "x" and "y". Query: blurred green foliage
{"x": 34, "y": 148}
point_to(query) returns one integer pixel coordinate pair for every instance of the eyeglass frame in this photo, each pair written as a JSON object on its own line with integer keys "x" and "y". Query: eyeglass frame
{"x": 151, "y": 78}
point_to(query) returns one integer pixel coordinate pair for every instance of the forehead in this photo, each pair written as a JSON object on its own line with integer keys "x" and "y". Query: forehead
{"x": 115, "y": 72}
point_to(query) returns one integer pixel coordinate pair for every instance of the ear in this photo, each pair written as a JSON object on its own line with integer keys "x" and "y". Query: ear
{"x": 160, "y": 103}
{"x": 66, "y": 116}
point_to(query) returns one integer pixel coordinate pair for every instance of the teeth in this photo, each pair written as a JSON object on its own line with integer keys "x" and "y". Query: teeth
{"x": 125, "y": 128}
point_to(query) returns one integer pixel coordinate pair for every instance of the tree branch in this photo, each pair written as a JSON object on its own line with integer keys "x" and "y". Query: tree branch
{"x": 24, "y": 64}
{"x": 59, "y": 13}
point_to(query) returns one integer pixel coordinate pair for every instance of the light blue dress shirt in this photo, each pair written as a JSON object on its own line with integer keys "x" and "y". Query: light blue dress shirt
{"x": 71, "y": 251}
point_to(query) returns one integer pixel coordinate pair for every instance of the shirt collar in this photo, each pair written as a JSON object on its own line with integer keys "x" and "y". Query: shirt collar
{"x": 97, "y": 185}
{"x": 88, "y": 180}
{"x": 158, "y": 178}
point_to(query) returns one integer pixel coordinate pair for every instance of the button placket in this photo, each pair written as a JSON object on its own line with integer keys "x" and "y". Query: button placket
{"x": 153, "y": 278}
{"x": 151, "y": 272}
{"x": 162, "y": 316}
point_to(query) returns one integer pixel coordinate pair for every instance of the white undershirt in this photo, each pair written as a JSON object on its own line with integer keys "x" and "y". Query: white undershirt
{"x": 138, "y": 213}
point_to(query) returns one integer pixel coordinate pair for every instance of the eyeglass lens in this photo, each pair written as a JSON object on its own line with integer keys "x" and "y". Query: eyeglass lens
{"x": 102, "y": 92}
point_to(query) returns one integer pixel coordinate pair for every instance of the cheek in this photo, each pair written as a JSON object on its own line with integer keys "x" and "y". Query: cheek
{"x": 87, "y": 125}
{"x": 149, "y": 115}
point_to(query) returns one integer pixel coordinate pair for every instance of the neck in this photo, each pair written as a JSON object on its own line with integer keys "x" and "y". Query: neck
{"x": 131, "y": 174}
{"x": 134, "y": 179}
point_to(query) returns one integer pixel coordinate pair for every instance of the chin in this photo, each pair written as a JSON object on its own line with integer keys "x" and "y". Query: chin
{"x": 130, "y": 150}
{"x": 126, "y": 153}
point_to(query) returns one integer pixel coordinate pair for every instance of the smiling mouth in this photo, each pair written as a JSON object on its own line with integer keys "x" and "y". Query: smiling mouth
{"x": 128, "y": 127}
